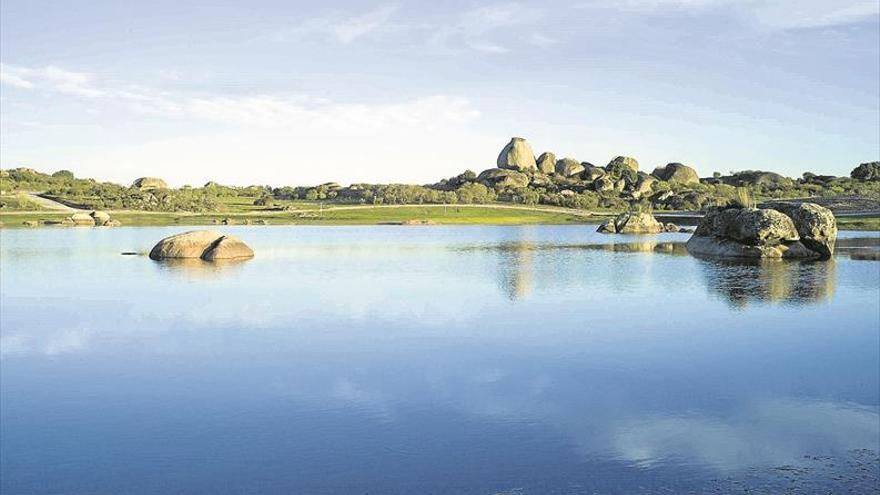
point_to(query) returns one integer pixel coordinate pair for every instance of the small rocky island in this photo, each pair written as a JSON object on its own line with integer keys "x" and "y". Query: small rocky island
{"x": 784, "y": 230}
{"x": 204, "y": 244}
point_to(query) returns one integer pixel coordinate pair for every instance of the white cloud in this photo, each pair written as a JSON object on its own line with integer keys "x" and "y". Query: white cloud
{"x": 224, "y": 131}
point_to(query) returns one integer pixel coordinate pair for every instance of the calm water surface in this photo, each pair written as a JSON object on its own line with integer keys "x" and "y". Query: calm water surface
{"x": 471, "y": 360}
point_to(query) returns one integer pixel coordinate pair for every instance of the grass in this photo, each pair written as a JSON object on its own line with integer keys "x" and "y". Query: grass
{"x": 19, "y": 201}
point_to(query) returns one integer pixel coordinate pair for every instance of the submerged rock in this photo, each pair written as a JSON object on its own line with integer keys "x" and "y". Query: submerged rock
{"x": 205, "y": 244}
{"x": 517, "y": 155}
{"x": 82, "y": 219}
{"x": 101, "y": 217}
{"x": 632, "y": 223}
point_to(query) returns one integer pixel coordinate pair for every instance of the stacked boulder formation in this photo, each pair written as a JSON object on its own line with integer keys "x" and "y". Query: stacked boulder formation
{"x": 517, "y": 167}
{"x": 785, "y": 230}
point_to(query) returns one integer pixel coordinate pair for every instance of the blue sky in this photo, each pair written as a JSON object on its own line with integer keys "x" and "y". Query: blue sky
{"x": 307, "y": 92}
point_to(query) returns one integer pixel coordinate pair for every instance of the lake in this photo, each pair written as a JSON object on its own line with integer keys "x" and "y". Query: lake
{"x": 465, "y": 360}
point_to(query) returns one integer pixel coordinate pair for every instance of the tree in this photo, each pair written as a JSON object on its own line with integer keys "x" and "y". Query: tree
{"x": 63, "y": 174}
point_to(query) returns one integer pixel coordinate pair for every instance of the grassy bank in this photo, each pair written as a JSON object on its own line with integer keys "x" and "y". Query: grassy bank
{"x": 855, "y": 223}
{"x": 351, "y": 215}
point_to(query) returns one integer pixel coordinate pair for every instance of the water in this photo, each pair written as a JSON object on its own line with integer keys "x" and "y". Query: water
{"x": 472, "y": 360}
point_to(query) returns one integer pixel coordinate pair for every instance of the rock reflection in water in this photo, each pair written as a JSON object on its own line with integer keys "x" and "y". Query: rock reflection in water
{"x": 648, "y": 246}
{"x": 194, "y": 268}
{"x": 741, "y": 282}
{"x": 516, "y": 269}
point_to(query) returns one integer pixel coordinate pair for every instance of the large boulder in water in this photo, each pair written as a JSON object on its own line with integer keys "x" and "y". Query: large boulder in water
{"x": 205, "y": 244}
{"x": 756, "y": 233}
{"x": 632, "y": 223}
{"x": 677, "y": 173}
{"x": 569, "y": 167}
{"x": 547, "y": 163}
{"x": 517, "y": 155}
{"x": 815, "y": 224}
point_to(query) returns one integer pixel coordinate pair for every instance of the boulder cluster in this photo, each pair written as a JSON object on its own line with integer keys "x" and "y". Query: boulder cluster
{"x": 784, "y": 230}
{"x": 96, "y": 218}
{"x": 204, "y": 244}
{"x": 517, "y": 167}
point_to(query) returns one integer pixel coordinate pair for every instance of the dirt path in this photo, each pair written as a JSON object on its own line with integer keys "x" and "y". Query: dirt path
{"x": 49, "y": 204}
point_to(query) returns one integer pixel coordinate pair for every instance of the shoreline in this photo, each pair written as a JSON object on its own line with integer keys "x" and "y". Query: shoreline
{"x": 401, "y": 215}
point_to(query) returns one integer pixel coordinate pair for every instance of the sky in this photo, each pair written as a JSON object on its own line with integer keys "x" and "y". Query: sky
{"x": 300, "y": 93}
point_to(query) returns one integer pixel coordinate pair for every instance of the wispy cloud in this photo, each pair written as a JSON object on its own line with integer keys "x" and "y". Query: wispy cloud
{"x": 51, "y": 78}
{"x": 769, "y": 14}
{"x": 540, "y": 40}
{"x": 341, "y": 27}
{"x": 485, "y": 29}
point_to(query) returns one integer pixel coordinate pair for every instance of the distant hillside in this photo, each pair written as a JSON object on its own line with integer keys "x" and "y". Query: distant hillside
{"x": 519, "y": 177}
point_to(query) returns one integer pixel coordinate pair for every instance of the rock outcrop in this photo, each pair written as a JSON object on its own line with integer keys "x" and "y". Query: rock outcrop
{"x": 547, "y": 163}
{"x": 677, "y": 173}
{"x": 764, "y": 233}
{"x": 866, "y": 171}
{"x": 517, "y": 155}
{"x": 632, "y": 223}
{"x": 149, "y": 183}
{"x": 569, "y": 167}
{"x": 593, "y": 173}
{"x": 626, "y": 161}
{"x": 204, "y": 244}
{"x": 644, "y": 185}
{"x": 503, "y": 178}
